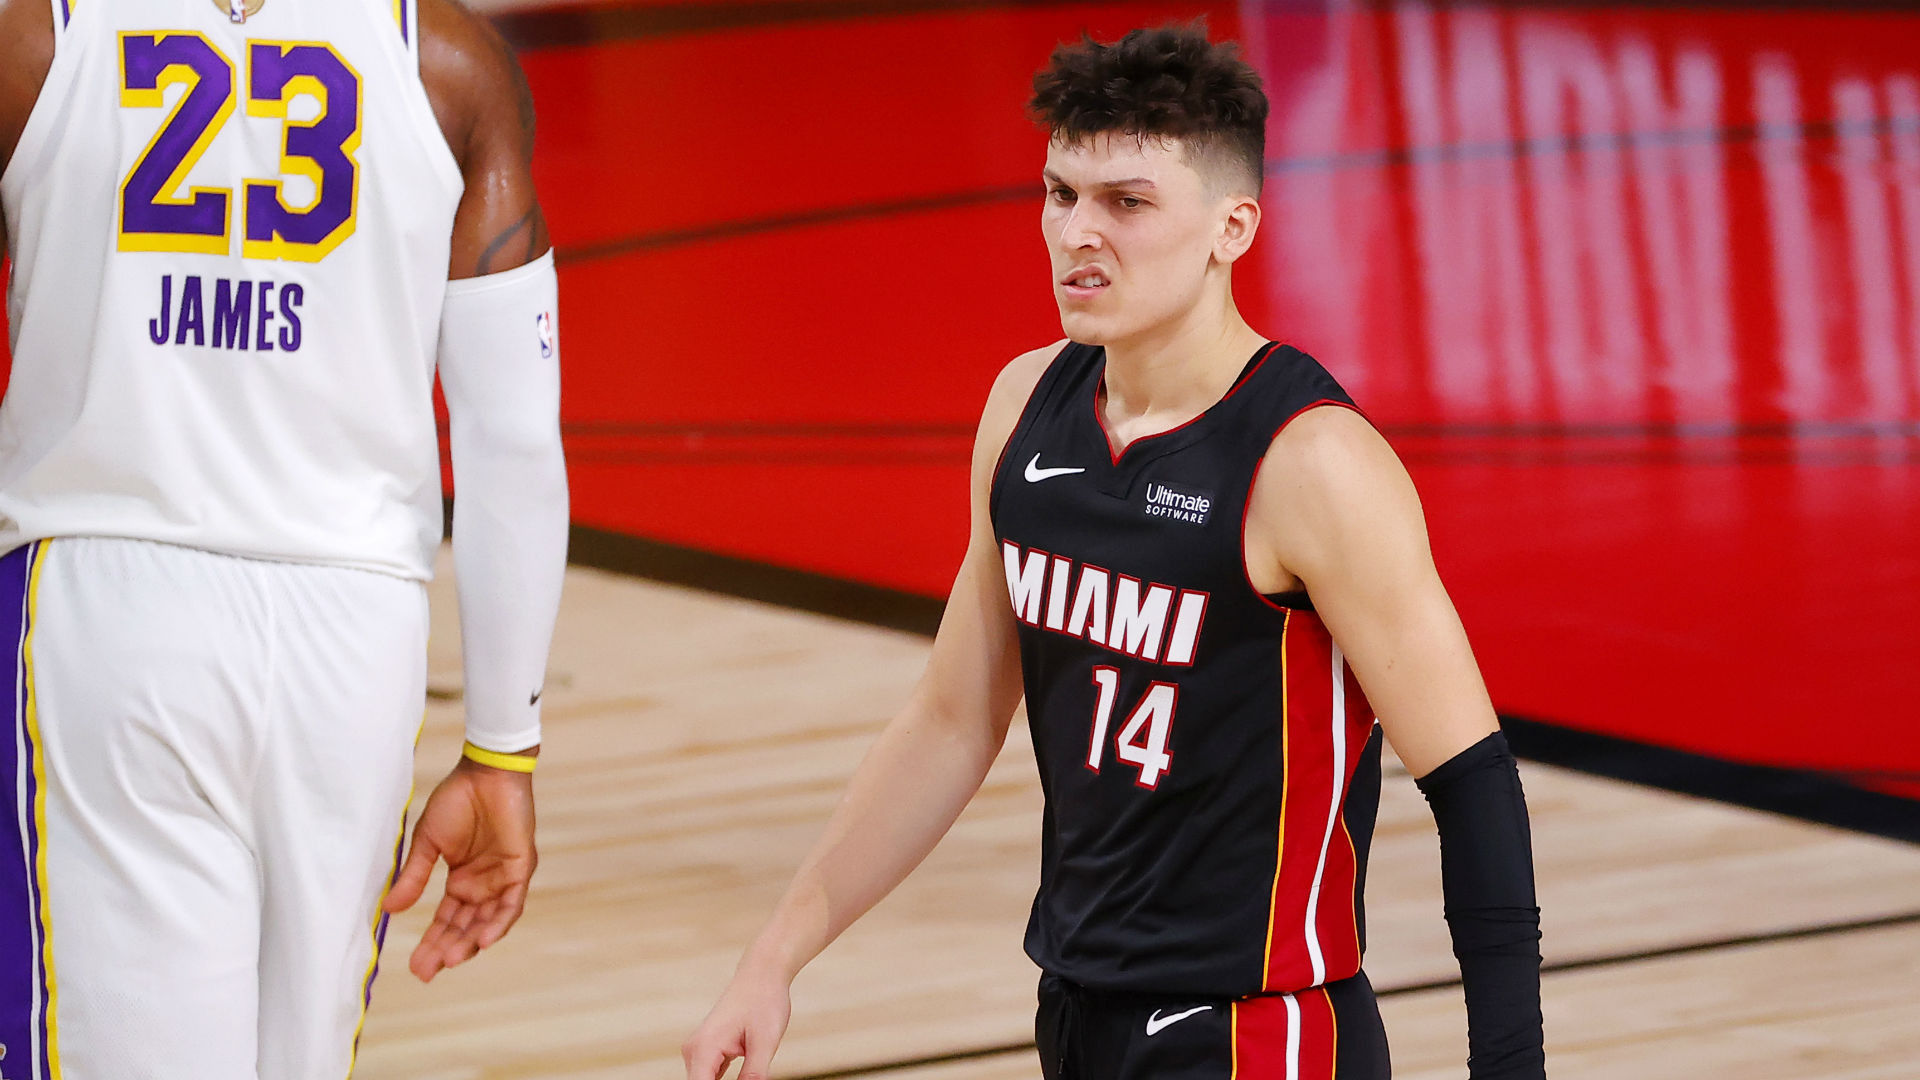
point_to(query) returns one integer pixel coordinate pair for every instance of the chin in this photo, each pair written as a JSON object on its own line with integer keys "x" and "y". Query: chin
{"x": 1088, "y": 328}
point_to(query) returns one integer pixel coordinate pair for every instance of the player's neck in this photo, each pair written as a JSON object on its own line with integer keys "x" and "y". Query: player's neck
{"x": 1179, "y": 370}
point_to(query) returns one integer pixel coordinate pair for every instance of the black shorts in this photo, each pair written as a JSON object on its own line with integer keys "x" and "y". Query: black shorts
{"x": 1331, "y": 1032}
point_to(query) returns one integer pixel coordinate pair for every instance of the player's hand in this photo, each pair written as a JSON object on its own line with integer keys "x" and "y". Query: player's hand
{"x": 480, "y": 820}
{"x": 747, "y": 1022}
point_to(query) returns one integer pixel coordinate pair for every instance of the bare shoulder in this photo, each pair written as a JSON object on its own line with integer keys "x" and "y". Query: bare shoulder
{"x": 1331, "y": 494}
{"x": 1011, "y": 389}
{"x": 485, "y": 109}
{"x": 26, "y": 54}
{"x": 1330, "y": 448}
{"x": 478, "y": 92}
{"x": 1005, "y": 402}
{"x": 1018, "y": 378}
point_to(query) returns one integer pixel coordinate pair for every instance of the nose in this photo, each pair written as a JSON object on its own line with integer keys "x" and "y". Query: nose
{"x": 1081, "y": 229}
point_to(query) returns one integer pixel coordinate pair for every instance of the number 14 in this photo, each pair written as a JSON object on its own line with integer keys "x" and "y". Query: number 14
{"x": 1143, "y": 736}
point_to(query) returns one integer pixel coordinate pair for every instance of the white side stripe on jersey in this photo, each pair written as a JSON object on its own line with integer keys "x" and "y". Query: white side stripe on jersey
{"x": 1333, "y": 813}
{"x": 1293, "y": 1036}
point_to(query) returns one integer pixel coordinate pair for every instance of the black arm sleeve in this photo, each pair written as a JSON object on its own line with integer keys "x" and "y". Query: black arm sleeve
{"x": 1486, "y": 877}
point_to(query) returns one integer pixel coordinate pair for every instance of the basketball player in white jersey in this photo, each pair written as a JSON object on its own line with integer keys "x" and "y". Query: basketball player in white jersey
{"x": 242, "y": 233}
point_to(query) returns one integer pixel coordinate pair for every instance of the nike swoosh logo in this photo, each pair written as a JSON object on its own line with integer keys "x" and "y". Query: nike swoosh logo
{"x": 1157, "y": 1023}
{"x": 1035, "y": 473}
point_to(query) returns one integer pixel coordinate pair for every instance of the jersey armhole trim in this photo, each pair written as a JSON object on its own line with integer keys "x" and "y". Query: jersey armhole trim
{"x": 1246, "y": 508}
{"x": 407, "y": 14}
{"x": 62, "y": 15}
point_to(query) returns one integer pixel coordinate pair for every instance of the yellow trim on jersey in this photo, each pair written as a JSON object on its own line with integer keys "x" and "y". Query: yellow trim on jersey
{"x": 1273, "y": 898}
{"x": 1233, "y": 1035}
{"x": 1353, "y": 855}
{"x": 39, "y": 768}
{"x": 1333, "y": 1021}
{"x": 298, "y": 165}
{"x": 520, "y": 763}
{"x": 156, "y": 98}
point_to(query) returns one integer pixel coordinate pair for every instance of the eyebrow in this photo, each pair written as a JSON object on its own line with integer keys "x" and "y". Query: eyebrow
{"x": 1130, "y": 182}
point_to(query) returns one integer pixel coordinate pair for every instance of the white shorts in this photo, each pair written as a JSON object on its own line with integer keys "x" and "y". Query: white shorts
{"x": 210, "y": 763}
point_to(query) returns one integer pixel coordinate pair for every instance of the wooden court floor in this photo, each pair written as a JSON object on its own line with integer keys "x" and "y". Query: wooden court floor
{"x": 696, "y": 743}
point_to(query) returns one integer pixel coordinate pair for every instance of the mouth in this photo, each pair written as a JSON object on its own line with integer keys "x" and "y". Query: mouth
{"x": 1085, "y": 283}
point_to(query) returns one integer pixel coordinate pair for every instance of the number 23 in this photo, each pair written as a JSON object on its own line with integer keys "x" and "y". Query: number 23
{"x": 155, "y": 216}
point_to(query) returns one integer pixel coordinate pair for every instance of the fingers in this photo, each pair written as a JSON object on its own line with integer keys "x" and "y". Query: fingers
{"x": 760, "y": 1047}
{"x": 461, "y": 928}
{"x": 707, "y": 1057}
{"x": 431, "y": 954}
{"x": 489, "y": 865}
{"x": 494, "y": 923}
{"x": 411, "y": 881}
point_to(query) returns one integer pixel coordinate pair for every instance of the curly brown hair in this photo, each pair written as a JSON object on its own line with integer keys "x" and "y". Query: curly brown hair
{"x": 1168, "y": 82}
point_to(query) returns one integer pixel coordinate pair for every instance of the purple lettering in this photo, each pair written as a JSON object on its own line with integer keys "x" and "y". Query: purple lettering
{"x": 191, "y": 316}
{"x": 290, "y": 298}
{"x": 232, "y": 314}
{"x": 264, "y": 315}
{"x": 161, "y": 328}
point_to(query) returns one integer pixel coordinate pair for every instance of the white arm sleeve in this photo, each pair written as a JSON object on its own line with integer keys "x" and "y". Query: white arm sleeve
{"x": 500, "y": 369}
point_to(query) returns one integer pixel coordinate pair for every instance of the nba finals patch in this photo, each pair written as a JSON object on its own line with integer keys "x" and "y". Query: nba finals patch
{"x": 239, "y": 10}
{"x": 1177, "y": 503}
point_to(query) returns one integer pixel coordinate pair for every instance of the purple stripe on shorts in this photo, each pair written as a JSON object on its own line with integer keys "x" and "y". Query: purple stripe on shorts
{"x": 22, "y": 1004}
{"x": 380, "y": 928}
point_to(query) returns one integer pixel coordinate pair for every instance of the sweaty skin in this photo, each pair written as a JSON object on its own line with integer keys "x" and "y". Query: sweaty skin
{"x": 26, "y": 54}
{"x": 1333, "y": 511}
{"x": 479, "y": 819}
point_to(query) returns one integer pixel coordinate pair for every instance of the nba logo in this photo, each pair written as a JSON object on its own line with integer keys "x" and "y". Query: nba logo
{"x": 544, "y": 325}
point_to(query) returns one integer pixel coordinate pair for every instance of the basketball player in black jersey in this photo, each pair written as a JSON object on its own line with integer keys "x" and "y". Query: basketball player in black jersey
{"x": 1208, "y": 574}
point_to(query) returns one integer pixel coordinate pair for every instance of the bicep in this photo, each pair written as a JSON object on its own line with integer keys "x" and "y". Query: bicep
{"x": 485, "y": 109}
{"x": 974, "y": 672}
{"x": 973, "y": 675}
{"x": 499, "y": 224}
{"x": 1348, "y": 522}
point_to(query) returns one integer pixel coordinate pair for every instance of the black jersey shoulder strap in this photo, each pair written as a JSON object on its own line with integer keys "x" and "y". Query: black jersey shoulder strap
{"x": 1069, "y": 369}
{"x": 1286, "y": 383}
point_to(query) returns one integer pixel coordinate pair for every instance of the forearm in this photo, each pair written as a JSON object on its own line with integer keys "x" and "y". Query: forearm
{"x": 1486, "y": 866}
{"x": 903, "y": 798}
{"x": 509, "y": 557}
{"x": 500, "y": 370}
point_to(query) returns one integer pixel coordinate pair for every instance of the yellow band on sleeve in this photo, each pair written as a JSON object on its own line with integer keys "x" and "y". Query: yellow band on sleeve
{"x": 494, "y": 759}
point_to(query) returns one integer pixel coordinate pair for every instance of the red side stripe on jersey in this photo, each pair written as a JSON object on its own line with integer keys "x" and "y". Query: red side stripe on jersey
{"x": 1280, "y": 830}
{"x": 1307, "y": 738}
{"x": 1284, "y": 1037}
{"x": 1339, "y": 929}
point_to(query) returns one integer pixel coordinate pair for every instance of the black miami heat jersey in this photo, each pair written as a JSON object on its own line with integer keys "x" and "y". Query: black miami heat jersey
{"x": 1210, "y": 766}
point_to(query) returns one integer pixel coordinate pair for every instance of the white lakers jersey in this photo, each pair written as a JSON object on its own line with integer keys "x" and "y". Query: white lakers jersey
{"x": 230, "y": 224}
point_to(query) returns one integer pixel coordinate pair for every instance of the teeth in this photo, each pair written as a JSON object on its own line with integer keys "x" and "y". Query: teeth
{"x": 1091, "y": 281}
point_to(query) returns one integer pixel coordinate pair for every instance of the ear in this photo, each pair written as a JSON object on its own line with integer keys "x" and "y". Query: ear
{"x": 1237, "y": 229}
